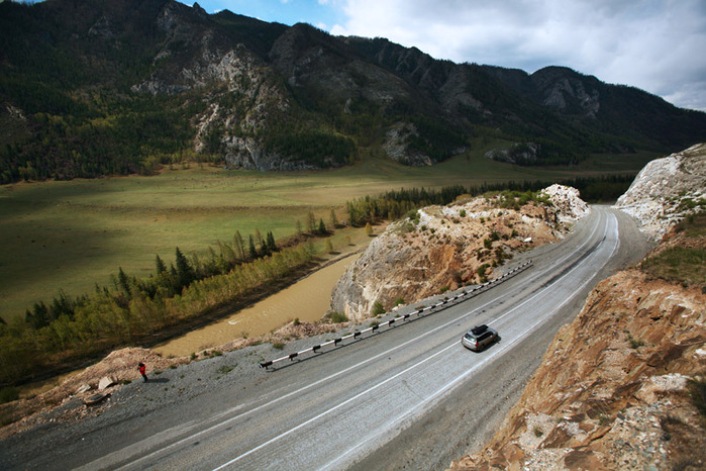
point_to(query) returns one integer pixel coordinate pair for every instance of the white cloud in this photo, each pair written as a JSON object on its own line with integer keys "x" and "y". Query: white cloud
{"x": 656, "y": 45}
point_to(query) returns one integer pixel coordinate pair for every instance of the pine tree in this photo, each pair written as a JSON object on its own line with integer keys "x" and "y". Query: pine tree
{"x": 239, "y": 246}
{"x": 159, "y": 265}
{"x": 252, "y": 249}
{"x": 39, "y": 316}
{"x": 270, "y": 241}
{"x": 184, "y": 271}
{"x": 123, "y": 281}
{"x": 259, "y": 242}
{"x": 322, "y": 228}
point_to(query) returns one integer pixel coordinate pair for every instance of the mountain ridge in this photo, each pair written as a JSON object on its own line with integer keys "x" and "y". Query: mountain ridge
{"x": 99, "y": 87}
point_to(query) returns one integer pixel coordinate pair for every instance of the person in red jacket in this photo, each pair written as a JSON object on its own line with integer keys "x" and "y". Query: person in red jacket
{"x": 142, "y": 369}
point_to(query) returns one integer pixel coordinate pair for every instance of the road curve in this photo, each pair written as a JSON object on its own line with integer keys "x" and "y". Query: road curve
{"x": 411, "y": 396}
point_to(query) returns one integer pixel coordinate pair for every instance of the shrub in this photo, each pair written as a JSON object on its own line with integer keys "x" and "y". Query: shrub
{"x": 336, "y": 317}
{"x": 225, "y": 369}
{"x": 634, "y": 343}
{"x": 9, "y": 394}
{"x": 378, "y": 309}
{"x": 481, "y": 271}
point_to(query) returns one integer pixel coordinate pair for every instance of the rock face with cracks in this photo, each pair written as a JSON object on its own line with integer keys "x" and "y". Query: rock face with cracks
{"x": 622, "y": 387}
{"x": 613, "y": 389}
{"x": 447, "y": 247}
{"x": 667, "y": 190}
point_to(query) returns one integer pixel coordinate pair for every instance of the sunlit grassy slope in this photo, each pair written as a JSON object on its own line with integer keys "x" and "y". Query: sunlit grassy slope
{"x": 73, "y": 235}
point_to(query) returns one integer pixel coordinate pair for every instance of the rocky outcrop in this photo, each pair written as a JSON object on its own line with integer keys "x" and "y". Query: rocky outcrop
{"x": 396, "y": 145}
{"x": 521, "y": 154}
{"x": 667, "y": 190}
{"x": 622, "y": 387}
{"x": 613, "y": 389}
{"x": 448, "y": 247}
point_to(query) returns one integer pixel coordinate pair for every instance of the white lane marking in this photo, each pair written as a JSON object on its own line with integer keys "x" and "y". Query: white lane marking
{"x": 424, "y": 402}
{"x": 448, "y": 387}
{"x": 334, "y": 408}
{"x": 183, "y": 441}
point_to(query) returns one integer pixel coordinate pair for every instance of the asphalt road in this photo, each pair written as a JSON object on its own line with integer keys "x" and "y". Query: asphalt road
{"x": 410, "y": 397}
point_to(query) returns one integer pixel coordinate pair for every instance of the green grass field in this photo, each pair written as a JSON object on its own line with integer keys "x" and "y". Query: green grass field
{"x": 73, "y": 235}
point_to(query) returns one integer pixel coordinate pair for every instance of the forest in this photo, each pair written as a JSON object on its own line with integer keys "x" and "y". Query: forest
{"x": 60, "y": 334}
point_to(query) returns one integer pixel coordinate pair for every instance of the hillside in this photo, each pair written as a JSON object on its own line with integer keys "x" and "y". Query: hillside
{"x": 445, "y": 247}
{"x": 622, "y": 386}
{"x": 116, "y": 87}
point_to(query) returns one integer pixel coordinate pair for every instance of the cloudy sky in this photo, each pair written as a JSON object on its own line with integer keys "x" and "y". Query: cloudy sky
{"x": 656, "y": 45}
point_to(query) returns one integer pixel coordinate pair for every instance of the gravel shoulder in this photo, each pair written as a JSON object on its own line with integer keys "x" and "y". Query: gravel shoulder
{"x": 178, "y": 382}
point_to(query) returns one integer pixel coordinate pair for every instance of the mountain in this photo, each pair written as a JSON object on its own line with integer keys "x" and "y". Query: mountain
{"x": 97, "y": 87}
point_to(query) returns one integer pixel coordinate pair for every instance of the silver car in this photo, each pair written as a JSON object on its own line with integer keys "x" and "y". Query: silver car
{"x": 480, "y": 337}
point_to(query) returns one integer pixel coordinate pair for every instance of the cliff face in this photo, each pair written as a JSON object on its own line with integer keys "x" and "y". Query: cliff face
{"x": 448, "y": 247}
{"x": 613, "y": 388}
{"x": 666, "y": 190}
{"x": 623, "y": 385}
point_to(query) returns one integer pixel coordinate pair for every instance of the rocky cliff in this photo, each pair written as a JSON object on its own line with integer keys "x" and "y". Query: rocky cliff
{"x": 447, "y": 247}
{"x": 667, "y": 190}
{"x": 622, "y": 387}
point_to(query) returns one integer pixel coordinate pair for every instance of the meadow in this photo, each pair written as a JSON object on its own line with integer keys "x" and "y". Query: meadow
{"x": 69, "y": 236}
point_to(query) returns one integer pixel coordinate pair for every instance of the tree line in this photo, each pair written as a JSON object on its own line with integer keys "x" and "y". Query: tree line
{"x": 394, "y": 204}
{"x": 131, "y": 310}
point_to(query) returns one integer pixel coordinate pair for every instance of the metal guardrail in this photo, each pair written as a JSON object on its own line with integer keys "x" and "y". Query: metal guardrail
{"x": 368, "y": 332}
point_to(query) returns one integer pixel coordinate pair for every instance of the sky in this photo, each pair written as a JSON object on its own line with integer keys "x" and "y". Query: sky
{"x": 656, "y": 45}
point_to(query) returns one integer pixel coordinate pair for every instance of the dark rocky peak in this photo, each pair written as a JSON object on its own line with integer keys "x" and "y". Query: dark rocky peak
{"x": 303, "y": 48}
{"x": 200, "y": 12}
{"x": 566, "y": 90}
{"x": 517, "y": 79}
{"x": 259, "y": 36}
{"x": 415, "y": 66}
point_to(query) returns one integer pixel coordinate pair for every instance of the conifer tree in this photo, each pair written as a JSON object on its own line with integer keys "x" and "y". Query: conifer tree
{"x": 159, "y": 265}
{"x": 251, "y": 248}
{"x": 184, "y": 270}
{"x": 239, "y": 246}
{"x": 259, "y": 241}
{"x": 270, "y": 241}
{"x": 39, "y": 316}
{"x": 123, "y": 281}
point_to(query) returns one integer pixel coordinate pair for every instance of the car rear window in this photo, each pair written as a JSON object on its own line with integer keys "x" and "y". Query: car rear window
{"x": 479, "y": 329}
{"x": 485, "y": 335}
